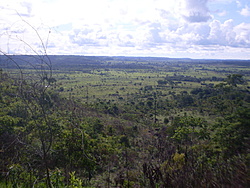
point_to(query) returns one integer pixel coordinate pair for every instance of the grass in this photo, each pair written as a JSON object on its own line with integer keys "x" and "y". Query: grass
{"x": 114, "y": 83}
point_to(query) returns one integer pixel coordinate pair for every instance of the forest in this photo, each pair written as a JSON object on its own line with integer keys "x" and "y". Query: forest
{"x": 132, "y": 122}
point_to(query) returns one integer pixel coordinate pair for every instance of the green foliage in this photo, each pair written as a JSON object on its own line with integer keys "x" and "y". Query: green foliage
{"x": 7, "y": 124}
{"x": 131, "y": 132}
{"x": 232, "y": 135}
{"x": 179, "y": 160}
{"x": 234, "y": 79}
{"x": 74, "y": 181}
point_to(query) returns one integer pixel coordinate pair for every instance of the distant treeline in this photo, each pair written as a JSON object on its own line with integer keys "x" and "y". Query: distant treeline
{"x": 77, "y": 62}
{"x": 189, "y": 79}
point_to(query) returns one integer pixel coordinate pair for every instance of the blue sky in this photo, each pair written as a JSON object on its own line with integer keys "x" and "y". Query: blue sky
{"x": 167, "y": 28}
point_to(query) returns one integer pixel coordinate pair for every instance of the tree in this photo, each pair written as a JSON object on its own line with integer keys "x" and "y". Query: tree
{"x": 235, "y": 79}
{"x": 232, "y": 134}
{"x": 34, "y": 91}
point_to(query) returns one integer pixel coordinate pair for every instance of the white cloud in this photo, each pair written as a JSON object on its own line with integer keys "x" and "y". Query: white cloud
{"x": 243, "y": 35}
{"x": 122, "y": 27}
{"x": 227, "y": 34}
{"x": 207, "y": 34}
{"x": 194, "y": 10}
{"x": 245, "y": 11}
{"x": 238, "y": 3}
{"x": 221, "y": 33}
{"x": 222, "y": 13}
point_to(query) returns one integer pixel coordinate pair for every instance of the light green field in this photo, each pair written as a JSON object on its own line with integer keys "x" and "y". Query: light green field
{"x": 117, "y": 84}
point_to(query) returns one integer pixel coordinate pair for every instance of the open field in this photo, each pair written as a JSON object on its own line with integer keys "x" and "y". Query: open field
{"x": 129, "y": 81}
{"x": 112, "y": 83}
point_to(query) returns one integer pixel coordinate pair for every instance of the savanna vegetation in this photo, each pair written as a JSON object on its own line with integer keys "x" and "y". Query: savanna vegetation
{"x": 77, "y": 121}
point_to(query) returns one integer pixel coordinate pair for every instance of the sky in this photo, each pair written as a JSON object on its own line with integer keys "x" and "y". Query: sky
{"x": 199, "y": 29}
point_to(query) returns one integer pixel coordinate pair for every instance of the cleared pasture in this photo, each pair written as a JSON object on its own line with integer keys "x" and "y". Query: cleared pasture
{"x": 117, "y": 84}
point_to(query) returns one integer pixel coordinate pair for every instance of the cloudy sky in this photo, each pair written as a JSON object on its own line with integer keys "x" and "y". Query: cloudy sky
{"x": 167, "y": 28}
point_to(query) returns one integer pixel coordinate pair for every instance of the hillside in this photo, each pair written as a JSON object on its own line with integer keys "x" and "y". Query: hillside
{"x": 69, "y": 121}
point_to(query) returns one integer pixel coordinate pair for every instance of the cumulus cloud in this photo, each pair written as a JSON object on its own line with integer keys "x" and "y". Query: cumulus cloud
{"x": 27, "y": 8}
{"x": 243, "y": 35}
{"x": 126, "y": 27}
{"x": 222, "y": 33}
{"x": 85, "y": 36}
{"x": 238, "y": 3}
{"x": 194, "y": 10}
{"x": 154, "y": 37}
{"x": 208, "y": 34}
{"x": 222, "y": 13}
{"x": 245, "y": 11}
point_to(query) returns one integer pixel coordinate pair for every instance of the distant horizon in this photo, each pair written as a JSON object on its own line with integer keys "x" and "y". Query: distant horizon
{"x": 125, "y": 56}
